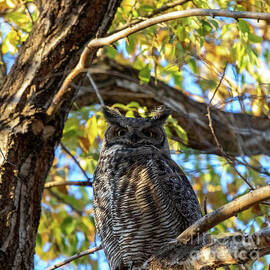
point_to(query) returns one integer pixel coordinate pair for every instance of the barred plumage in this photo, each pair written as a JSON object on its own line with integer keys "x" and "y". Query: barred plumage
{"x": 142, "y": 199}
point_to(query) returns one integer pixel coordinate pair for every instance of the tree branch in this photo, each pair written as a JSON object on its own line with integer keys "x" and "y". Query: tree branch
{"x": 77, "y": 163}
{"x": 62, "y": 200}
{"x": 100, "y": 42}
{"x": 226, "y": 211}
{"x": 67, "y": 183}
{"x": 222, "y": 250}
{"x": 120, "y": 84}
{"x": 96, "y": 88}
{"x": 74, "y": 257}
{"x": 234, "y": 249}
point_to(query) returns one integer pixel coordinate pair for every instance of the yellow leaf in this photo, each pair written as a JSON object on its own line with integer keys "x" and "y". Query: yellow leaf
{"x": 84, "y": 143}
{"x": 92, "y": 129}
{"x": 91, "y": 228}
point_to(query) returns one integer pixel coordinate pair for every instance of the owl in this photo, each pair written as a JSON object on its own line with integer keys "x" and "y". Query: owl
{"x": 142, "y": 199}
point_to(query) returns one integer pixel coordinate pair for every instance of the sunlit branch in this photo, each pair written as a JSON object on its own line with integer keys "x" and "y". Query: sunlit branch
{"x": 100, "y": 42}
{"x": 236, "y": 248}
{"x": 67, "y": 183}
{"x": 74, "y": 257}
{"x": 224, "y": 250}
{"x": 226, "y": 211}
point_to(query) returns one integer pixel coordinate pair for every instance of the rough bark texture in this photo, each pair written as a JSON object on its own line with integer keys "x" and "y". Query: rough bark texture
{"x": 235, "y": 249}
{"x": 237, "y": 133}
{"x": 27, "y": 141}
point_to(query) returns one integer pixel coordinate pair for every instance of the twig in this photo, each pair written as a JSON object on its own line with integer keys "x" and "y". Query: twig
{"x": 215, "y": 137}
{"x": 226, "y": 211}
{"x": 74, "y": 257}
{"x": 28, "y": 12}
{"x": 240, "y": 175}
{"x": 205, "y": 205}
{"x": 209, "y": 114}
{"x": 96, "y": 88}
{"x": 219, "y": 84}
{"x": 60, "y": 199}
{"x": 100, "y": 42}
{"x": 77, "y": 162}
{"x": 3, "y": 156}
{"x": 67, "y": 183}
{"x": 257, "y": 169}
{"x": 242, "y": 267}
{"x": 5, "y": 159}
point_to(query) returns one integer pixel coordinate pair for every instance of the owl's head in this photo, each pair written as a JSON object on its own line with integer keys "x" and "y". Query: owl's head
{"x": 136, "y": 132}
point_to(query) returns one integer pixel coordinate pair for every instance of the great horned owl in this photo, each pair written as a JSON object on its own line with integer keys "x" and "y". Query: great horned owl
{"x": 142, "y": 199}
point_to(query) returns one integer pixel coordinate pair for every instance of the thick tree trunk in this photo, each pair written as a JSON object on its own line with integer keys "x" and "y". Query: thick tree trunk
{"x": 27, "y": 141}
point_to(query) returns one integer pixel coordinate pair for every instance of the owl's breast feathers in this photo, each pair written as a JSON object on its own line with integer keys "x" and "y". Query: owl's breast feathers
{"x": 142, "y": 200}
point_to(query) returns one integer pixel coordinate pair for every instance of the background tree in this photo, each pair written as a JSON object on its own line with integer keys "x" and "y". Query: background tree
{"x": 213, "y": 72}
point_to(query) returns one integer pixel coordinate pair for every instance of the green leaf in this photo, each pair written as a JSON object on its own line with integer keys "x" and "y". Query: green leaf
{"x": 133, "y": 104}
{"x": 254, "y": 38}
{"x": 131, "y": 44}
{"x": 207, "y": 84}
{"x": 145, "y": 74}
{"x": 193, "y": 65}
{"x": 181, "y": 33}
{"x": 178, "y": 78}
{"x": 171, "y": 68}
{"x": 111, "y": 51}
{"x": 147, "y": 8}
{"x": 180, "y": 50}
{"x": 71, "y": 132}
{"x": 243, "y": 26}
{"x": 38, "y": 240}
{"x": 207, "y": 27}
{"x": 91, "y": 165}
{"x": 68, "y": 225}
{"x": 215, "y": 23}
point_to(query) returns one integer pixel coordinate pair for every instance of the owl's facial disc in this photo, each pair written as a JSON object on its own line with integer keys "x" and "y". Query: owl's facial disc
{"x": 135, "y": 136}
{"x": 136, "y": 132}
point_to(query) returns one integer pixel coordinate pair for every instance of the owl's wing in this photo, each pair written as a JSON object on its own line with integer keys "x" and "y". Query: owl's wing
{"x": 176, "y": 185}
{"x": 103, "y": 217}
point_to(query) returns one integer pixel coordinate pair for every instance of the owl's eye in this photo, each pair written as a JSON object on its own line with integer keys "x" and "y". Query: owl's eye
{"x": 121, "y": 132}
{"x": 147, "y": 133}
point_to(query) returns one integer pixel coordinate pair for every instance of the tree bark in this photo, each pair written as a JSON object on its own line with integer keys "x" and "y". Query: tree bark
{"x": 237, "y": 133}
{"x": 27, "y": 141}
{"x": 225, "y": 250}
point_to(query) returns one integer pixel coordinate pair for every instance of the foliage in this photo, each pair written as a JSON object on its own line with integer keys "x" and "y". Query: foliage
{"x": 189, "y": 54}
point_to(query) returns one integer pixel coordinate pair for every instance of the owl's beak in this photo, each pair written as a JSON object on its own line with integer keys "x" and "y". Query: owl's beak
{"x": 134, "y": 138}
